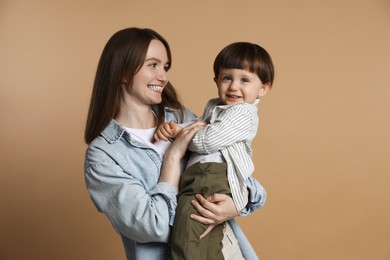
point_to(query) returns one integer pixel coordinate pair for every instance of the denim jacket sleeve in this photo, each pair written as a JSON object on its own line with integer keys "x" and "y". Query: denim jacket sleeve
{"x": 257, "y": 197}
{"x": 134, "y": 210}
{"x": 122, "y": 175}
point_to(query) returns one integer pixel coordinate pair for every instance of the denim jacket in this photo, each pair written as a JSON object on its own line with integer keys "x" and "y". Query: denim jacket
{"x": 122, "y": 179}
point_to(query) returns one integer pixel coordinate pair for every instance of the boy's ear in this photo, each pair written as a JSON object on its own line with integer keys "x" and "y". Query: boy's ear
{"x": 264, "y": 90}
{"x": 216, "y": 81}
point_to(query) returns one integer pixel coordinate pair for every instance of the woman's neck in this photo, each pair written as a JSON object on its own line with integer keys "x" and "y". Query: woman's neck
{"x": 141, "y": 118}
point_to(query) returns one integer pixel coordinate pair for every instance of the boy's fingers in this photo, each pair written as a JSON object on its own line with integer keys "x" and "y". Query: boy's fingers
{"x": 159, "y": 134}
{"x": 162, "y": 136}
{"x": 167, "y": 129}
{"x": 171, "y": 125}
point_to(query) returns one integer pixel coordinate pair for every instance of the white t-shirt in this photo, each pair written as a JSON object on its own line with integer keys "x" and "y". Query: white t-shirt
{"x": 146, "y": 136}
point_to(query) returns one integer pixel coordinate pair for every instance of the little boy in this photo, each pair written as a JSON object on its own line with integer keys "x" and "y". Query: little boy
{"x": 221, "y": 159}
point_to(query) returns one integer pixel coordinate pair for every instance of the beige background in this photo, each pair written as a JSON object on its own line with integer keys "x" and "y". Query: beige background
{"x": 322, "y": 150}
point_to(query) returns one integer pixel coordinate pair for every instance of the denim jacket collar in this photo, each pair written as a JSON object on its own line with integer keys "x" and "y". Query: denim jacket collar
{"x": 113, "y": 132}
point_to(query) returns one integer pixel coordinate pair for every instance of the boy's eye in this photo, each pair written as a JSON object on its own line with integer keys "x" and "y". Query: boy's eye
{"x": 226, "y": 78}
{"x": 245, "y": 80}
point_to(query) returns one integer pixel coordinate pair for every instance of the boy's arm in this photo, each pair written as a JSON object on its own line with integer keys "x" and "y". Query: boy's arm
{"x": 233, "y": 125}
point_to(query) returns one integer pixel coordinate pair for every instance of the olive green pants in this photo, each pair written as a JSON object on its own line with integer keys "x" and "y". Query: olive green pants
{"x": 205, "y": 179}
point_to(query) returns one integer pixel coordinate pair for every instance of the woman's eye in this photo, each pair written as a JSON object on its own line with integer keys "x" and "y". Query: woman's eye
{"x": 153, "y": 65}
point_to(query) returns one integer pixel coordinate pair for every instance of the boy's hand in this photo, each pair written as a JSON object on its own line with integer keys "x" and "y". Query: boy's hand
{"x": 166, "y": 130}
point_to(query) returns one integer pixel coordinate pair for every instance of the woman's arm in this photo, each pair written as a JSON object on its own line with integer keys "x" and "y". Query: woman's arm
{"x": 218, "y": 208}
{"x": 140, "y": 213}
{"x": 170, "y": 171}
{"x": 213, "y": 210}
{"x": 119, "y": 189}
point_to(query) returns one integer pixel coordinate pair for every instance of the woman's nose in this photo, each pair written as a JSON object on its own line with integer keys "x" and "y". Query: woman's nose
{"x": 162, "y": 75}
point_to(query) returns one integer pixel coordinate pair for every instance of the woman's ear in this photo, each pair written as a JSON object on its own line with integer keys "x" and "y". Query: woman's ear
{"x": 264, "y": 89}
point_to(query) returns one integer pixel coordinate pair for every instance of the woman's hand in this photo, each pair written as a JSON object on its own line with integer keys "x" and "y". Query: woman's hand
{"x": 213, "y": 210}
{"x": 170, "y": 171}
{"x": 183, "y": 139}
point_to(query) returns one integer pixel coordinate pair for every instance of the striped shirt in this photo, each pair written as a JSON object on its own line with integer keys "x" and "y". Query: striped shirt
{"x": 230, "y": 131}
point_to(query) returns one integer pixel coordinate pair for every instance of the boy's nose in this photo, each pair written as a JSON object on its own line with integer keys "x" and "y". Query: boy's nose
{"x": 233, "y": 86}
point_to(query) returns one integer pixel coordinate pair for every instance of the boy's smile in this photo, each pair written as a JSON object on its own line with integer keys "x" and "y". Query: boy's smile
{"x": 237, "y": 85}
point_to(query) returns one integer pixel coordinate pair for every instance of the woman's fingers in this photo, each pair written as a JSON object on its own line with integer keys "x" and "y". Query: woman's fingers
{"x": 207, "y": 231}
{"x": 206, "y": 212}
{"x": 189, "y": 131}
{"x": 197, "y": 124}
{"x": 183, "y": 139}
{"x": 215, "y": 209}
{"x": 209, "y": 208}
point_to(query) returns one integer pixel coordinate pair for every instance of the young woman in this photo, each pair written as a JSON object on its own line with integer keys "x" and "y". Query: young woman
{"x": 131, "y": 179}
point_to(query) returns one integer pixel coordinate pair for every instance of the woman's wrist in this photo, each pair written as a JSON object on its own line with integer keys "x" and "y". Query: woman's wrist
{"x": 172, "y": 159}
{"x": 170, "y": 171}
{"x": 173, "y": 154}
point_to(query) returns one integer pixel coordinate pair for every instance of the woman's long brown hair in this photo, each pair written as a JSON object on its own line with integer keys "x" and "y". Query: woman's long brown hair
{"x": 121, "y": 59}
